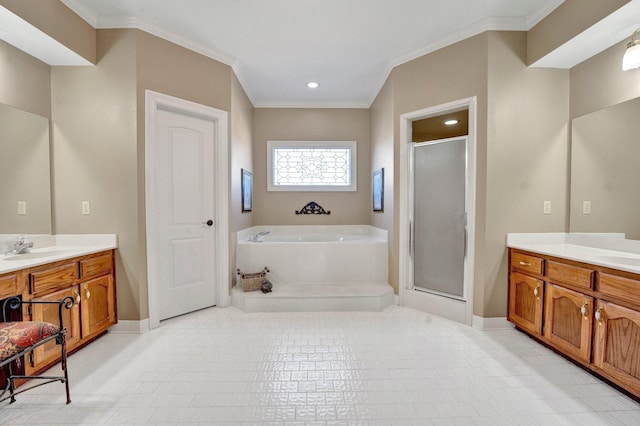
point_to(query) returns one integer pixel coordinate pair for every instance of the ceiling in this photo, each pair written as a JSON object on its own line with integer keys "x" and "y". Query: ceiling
{"x": 347, "y": 46}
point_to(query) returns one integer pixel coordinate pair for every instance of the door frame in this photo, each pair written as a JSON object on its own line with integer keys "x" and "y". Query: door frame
{"x": 153, "y": 102}
{"x": 461, "y": 311}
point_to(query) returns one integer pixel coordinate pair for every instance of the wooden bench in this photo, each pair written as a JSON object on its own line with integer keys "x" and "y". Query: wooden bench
{"x": 19, "y": 338}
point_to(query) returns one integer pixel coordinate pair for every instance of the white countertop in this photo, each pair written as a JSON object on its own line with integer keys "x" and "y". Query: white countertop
{"x": 52, "y": 248}
{"x": 608, "y": 250}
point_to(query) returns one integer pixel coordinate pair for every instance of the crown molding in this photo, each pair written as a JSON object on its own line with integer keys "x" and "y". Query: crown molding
{"x": 237, "y": 69}
{"x": 82, "y": 11}
{"x": 542, "y": 13}
{"x": 336, "y": 105}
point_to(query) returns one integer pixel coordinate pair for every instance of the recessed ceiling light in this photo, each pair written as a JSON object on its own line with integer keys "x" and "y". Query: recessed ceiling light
{"x": 451, "y": 122}
{"x": 312, "y": 85}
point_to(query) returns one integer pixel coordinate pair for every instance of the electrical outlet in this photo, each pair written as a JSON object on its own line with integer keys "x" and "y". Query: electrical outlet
{"x": 86, "y": 207}
{"x": 586, "y": 207}
{"x": 22, "y": 208}
{"x": 546, "y": 209}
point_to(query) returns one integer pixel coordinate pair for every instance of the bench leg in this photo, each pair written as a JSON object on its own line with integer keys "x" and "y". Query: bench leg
{"x": 63, "y": 362}
{"x": 12, "y": 386}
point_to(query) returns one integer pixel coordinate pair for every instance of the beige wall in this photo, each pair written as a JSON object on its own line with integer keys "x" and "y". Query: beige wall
{"x": 25, "y": 82}
{"x": 527, "y": 158}
{"x": 95, "y": 157}
{"x": 382, "y": 155}
{"x": 278, "y": 208}
{"x": 170, "y": 69}
{"x": 25, "y": 95}
{"x": 99, "y": 141}
{"x": 58, "y": 21}
{"x": 599, "y": 82}
{"x": 604, "y": 170}
{"x": 241, "y": 158}
{"x": 570, "y": 19}
{"x": 434, "y": 79}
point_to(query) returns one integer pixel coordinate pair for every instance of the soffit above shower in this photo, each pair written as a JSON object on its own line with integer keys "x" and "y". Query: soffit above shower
{"x": 349, "y": 47}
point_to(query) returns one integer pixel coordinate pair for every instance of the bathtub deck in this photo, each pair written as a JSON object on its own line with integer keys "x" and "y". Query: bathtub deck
{"x": 316, "y": 298}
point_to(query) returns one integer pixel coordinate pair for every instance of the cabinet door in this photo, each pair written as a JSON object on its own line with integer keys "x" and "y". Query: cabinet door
{"x": 568, "y": 321}
{"x": 98, "y": 305}
{"x": 50, "y": 352}
{"x": 525, "y": 302}
{"x": 617, "y": 343}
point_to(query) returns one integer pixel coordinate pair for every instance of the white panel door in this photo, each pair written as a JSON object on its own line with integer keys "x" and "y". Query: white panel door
{"x": 185, "y": 201}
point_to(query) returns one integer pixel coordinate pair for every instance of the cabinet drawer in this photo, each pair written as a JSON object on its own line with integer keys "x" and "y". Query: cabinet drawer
{"x": 619, "y": 287}
{"x": 8, "y": 285}
{"x": 53, "y": 277}
{"x": 568, "y": 274}
{"x": 527, "y": 263}
{"x": 96, "y": 266}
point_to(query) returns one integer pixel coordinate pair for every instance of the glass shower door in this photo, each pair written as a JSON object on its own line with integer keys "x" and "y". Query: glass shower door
{"x": 439, "y": 215}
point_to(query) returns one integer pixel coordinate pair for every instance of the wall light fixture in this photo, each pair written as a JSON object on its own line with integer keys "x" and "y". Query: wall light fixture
{"x": 631, "y": 58}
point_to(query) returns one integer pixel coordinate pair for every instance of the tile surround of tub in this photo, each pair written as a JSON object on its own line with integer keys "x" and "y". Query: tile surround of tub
{"x": 396, "y": 367}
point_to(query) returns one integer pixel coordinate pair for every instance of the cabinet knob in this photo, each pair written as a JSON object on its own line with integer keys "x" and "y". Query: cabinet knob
{"x": 584, "y": 310}
{"x": 87, "y": 294}
{"x": 599, "y": 314}
{"x": 77, "y": 297}
{"x": 536, "y": 291}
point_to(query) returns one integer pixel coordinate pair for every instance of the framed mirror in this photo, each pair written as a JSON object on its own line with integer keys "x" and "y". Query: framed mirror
{"x": 605, "y": 171}
{"x": 25, "y": 196}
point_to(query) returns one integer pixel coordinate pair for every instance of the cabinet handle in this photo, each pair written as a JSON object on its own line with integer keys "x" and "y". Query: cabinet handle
{"x": 536, "y": 291}
{"x": 522, "y": 263}
{"x": 87, "y": 294}
{"x": 77, "y": 297}
{"x": 584, "y": 310}
{"x": 599, "y": 314}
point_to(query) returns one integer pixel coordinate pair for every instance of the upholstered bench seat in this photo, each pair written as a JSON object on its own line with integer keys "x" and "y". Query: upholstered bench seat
{"x": 19, "y": 338}
{"x": 15, "y": 337}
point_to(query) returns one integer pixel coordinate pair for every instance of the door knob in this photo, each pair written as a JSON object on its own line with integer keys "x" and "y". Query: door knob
{"x": 208, "y": 223}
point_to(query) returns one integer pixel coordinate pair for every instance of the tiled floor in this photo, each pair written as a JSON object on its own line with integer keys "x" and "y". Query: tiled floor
{"x": 397, "y": 367}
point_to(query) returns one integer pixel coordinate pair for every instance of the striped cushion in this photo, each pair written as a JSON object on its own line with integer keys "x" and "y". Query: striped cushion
{"x": 18, "y": 336}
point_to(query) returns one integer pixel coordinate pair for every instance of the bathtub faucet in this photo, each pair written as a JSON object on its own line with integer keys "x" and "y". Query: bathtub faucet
{"x": 259, "y": 237}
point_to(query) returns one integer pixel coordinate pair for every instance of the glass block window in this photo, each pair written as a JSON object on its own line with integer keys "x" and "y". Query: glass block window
{"x": 311, "y": 166}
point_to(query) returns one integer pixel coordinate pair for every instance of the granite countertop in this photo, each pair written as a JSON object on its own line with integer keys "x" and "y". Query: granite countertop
{"x": 54, "y": 248}
{"x": 608, "y": 250}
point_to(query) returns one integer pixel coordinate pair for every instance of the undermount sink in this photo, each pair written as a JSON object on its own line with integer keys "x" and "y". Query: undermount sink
{"x": 622, "y": 260}
{"x": 36, "y": 254}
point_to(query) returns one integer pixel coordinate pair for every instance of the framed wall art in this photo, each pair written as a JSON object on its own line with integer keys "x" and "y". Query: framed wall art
{"x": 247, "y": 190}
{"x": 378, "y": 190}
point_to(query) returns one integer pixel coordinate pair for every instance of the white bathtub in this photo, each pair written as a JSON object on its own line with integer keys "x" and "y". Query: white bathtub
{"x": 316, "y": 254}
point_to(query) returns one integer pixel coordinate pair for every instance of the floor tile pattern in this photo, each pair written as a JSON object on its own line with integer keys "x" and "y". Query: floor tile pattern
{"x": 396, "y": 367}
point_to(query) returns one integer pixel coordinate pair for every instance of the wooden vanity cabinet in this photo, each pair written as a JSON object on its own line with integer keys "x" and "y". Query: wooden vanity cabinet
{"x": 90, "y": 281}
{"x": 525, "y": 302}
{"x": 568, "y": 321}
{"x": 589, "y": 313}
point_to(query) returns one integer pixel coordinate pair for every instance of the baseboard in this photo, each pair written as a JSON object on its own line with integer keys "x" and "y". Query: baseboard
{"x": 131, "y": 327}
{"x": 496, "y": 323}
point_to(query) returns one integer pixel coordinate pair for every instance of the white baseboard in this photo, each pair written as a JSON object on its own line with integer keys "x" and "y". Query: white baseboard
{"x": 131, "y": 327}
{"x": 495, "y": 323}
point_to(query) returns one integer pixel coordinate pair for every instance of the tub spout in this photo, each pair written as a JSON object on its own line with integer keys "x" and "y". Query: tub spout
{"x": 259, "y": 237}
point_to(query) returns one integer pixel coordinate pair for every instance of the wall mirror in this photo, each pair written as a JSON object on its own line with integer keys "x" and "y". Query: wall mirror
{"x": 605, "y": 171}
{"x": 25, "y": 186}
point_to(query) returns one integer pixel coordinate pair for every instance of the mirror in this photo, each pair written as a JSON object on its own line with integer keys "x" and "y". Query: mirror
{"x": 25, "y": 198}
{"x": 605, "y": 173}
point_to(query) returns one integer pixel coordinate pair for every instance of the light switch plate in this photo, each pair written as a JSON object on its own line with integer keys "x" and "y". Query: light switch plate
{"x": 546, "y": 209}
{"x": 586, "y": 207}
{"x": 86, "y": 207}
{"x": 22, "y": 208}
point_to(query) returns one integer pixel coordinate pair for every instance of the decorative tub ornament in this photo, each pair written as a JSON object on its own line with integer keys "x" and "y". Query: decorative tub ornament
{"x": 266, "y": 286}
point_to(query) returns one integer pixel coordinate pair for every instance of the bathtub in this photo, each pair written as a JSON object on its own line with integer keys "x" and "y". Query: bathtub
{"x": 316, "y": 254}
